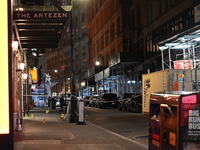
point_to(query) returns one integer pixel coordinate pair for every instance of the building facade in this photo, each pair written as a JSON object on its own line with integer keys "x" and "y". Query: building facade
{"x": 71, "y": 55}
{"x": 125, "y": 36}
{"x": 128, "y": 34}
{"x": 111, "y": 32}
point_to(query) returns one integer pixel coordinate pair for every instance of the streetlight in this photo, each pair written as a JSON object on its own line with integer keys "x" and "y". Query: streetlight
{"x": 73, "y": 100}
{"x": 102, "y": 65}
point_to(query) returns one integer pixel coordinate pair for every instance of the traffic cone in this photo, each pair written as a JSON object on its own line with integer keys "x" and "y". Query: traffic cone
{"x": 32, "y": 116}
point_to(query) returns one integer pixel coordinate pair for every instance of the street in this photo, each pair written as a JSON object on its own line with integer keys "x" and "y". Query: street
{"x": 133, "y": 126}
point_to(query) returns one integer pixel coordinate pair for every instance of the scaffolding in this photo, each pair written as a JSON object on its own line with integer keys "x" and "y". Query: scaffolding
{"x": 187, "y": 58}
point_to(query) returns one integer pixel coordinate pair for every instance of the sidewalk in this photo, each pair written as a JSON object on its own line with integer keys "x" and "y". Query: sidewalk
{"x": 43, "y": 130}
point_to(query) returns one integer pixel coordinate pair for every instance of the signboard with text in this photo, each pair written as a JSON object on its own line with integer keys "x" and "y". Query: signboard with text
{"x": 190, "y": 122}
{"x": 40, "y": 15}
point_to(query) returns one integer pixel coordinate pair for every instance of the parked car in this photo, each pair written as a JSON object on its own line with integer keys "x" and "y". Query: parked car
{"x": 123, "y": 98}
{"x": 93, "y": 100}
{"x": 86, "y": 100}
{"x": 134, "y": 104}
{"x": 108, "y": 100}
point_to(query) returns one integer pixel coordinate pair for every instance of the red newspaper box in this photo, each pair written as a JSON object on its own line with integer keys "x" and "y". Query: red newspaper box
{"x": 174, "y": 120}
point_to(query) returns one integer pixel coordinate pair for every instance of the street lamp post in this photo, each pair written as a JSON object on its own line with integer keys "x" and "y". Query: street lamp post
{"x": 73, "y": 100}
{"x": 102, "y": 65}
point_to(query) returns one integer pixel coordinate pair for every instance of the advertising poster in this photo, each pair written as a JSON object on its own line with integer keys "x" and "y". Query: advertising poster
{"x": 190, "y": 122}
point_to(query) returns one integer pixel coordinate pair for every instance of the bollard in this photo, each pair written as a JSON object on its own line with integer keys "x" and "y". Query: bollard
{"x": 62, "y": 115}
{"x": 47, "y": 111}
{"x": 32, "y": 116}
{"x": 81, "y": 113}
{"x": 44, "y": 120}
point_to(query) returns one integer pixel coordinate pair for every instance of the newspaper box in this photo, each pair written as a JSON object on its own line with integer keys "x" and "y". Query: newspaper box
{"x": 174, "y": 120}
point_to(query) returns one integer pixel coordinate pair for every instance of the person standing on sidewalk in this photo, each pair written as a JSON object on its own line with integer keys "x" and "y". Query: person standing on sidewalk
{"x": 49, "y": 101}
{"x": 61, "y": 103}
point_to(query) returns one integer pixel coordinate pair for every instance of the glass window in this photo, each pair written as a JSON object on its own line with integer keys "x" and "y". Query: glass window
{"x": 112, "y": 51}
{"x": 107, "y": 37}
{"x": 173, "y": 26}
{"x": 118, "y": 26}
{"x": 102, "y": 42}
{"x": 112, "y": 32}
{"x": 98, "y": 46}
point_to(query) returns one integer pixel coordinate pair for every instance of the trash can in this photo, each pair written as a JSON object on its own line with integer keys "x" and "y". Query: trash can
{"x": 53, "y": 103}
{"x": 174, "y": 120}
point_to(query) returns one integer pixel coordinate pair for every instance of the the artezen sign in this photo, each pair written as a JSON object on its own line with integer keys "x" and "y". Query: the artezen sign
{"x": 40, "y": 15}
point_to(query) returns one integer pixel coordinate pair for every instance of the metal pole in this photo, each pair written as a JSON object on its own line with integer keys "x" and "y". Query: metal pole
{"x": 193, "y": 58}
{"x": 73, "y": 100}
{"x": 26, "y": 96}
{"x": 66, "y": 78}
{"x": 117, "y": 79}
{"x": 183, "y": 81}
{"x": 162, "y": 60}
{"x": 87, "y": 86}
{"x": 170, "y": 60}
{"x": 123, "y": 84}
{"x": 196, "y": 82}
{"x": 44, "y": 88}
{"x": 184, "y": 63}
{"x": 23, "y": 97}
{"x": 103, "y": 73}
{"x": 72, "y": 57}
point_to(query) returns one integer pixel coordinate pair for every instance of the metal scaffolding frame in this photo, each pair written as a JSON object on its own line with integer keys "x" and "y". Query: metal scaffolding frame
{"x": 187, "y": 43}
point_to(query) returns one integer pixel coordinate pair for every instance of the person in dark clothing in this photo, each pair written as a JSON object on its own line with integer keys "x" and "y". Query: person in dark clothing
{"x": 53, "y": 103}
{"x": 49, "y": 101}
{"x": 61, "y": 103}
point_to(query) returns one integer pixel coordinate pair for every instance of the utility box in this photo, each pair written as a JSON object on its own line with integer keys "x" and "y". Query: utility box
{"x": 174, "y": 122}
{"x": 167, "y": 80}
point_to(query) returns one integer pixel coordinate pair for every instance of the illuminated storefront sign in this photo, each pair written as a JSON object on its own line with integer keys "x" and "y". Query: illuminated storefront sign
{"x": 4, "y": 76}
{"x": 40, "y": 15}
{"x": 34, "y": 75}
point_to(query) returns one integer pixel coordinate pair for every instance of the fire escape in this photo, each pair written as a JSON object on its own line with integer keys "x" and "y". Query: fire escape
{"x": 130, "y": 32}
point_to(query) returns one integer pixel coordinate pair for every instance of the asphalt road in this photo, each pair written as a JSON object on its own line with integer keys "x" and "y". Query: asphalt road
{"x": 133, "y": 126}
